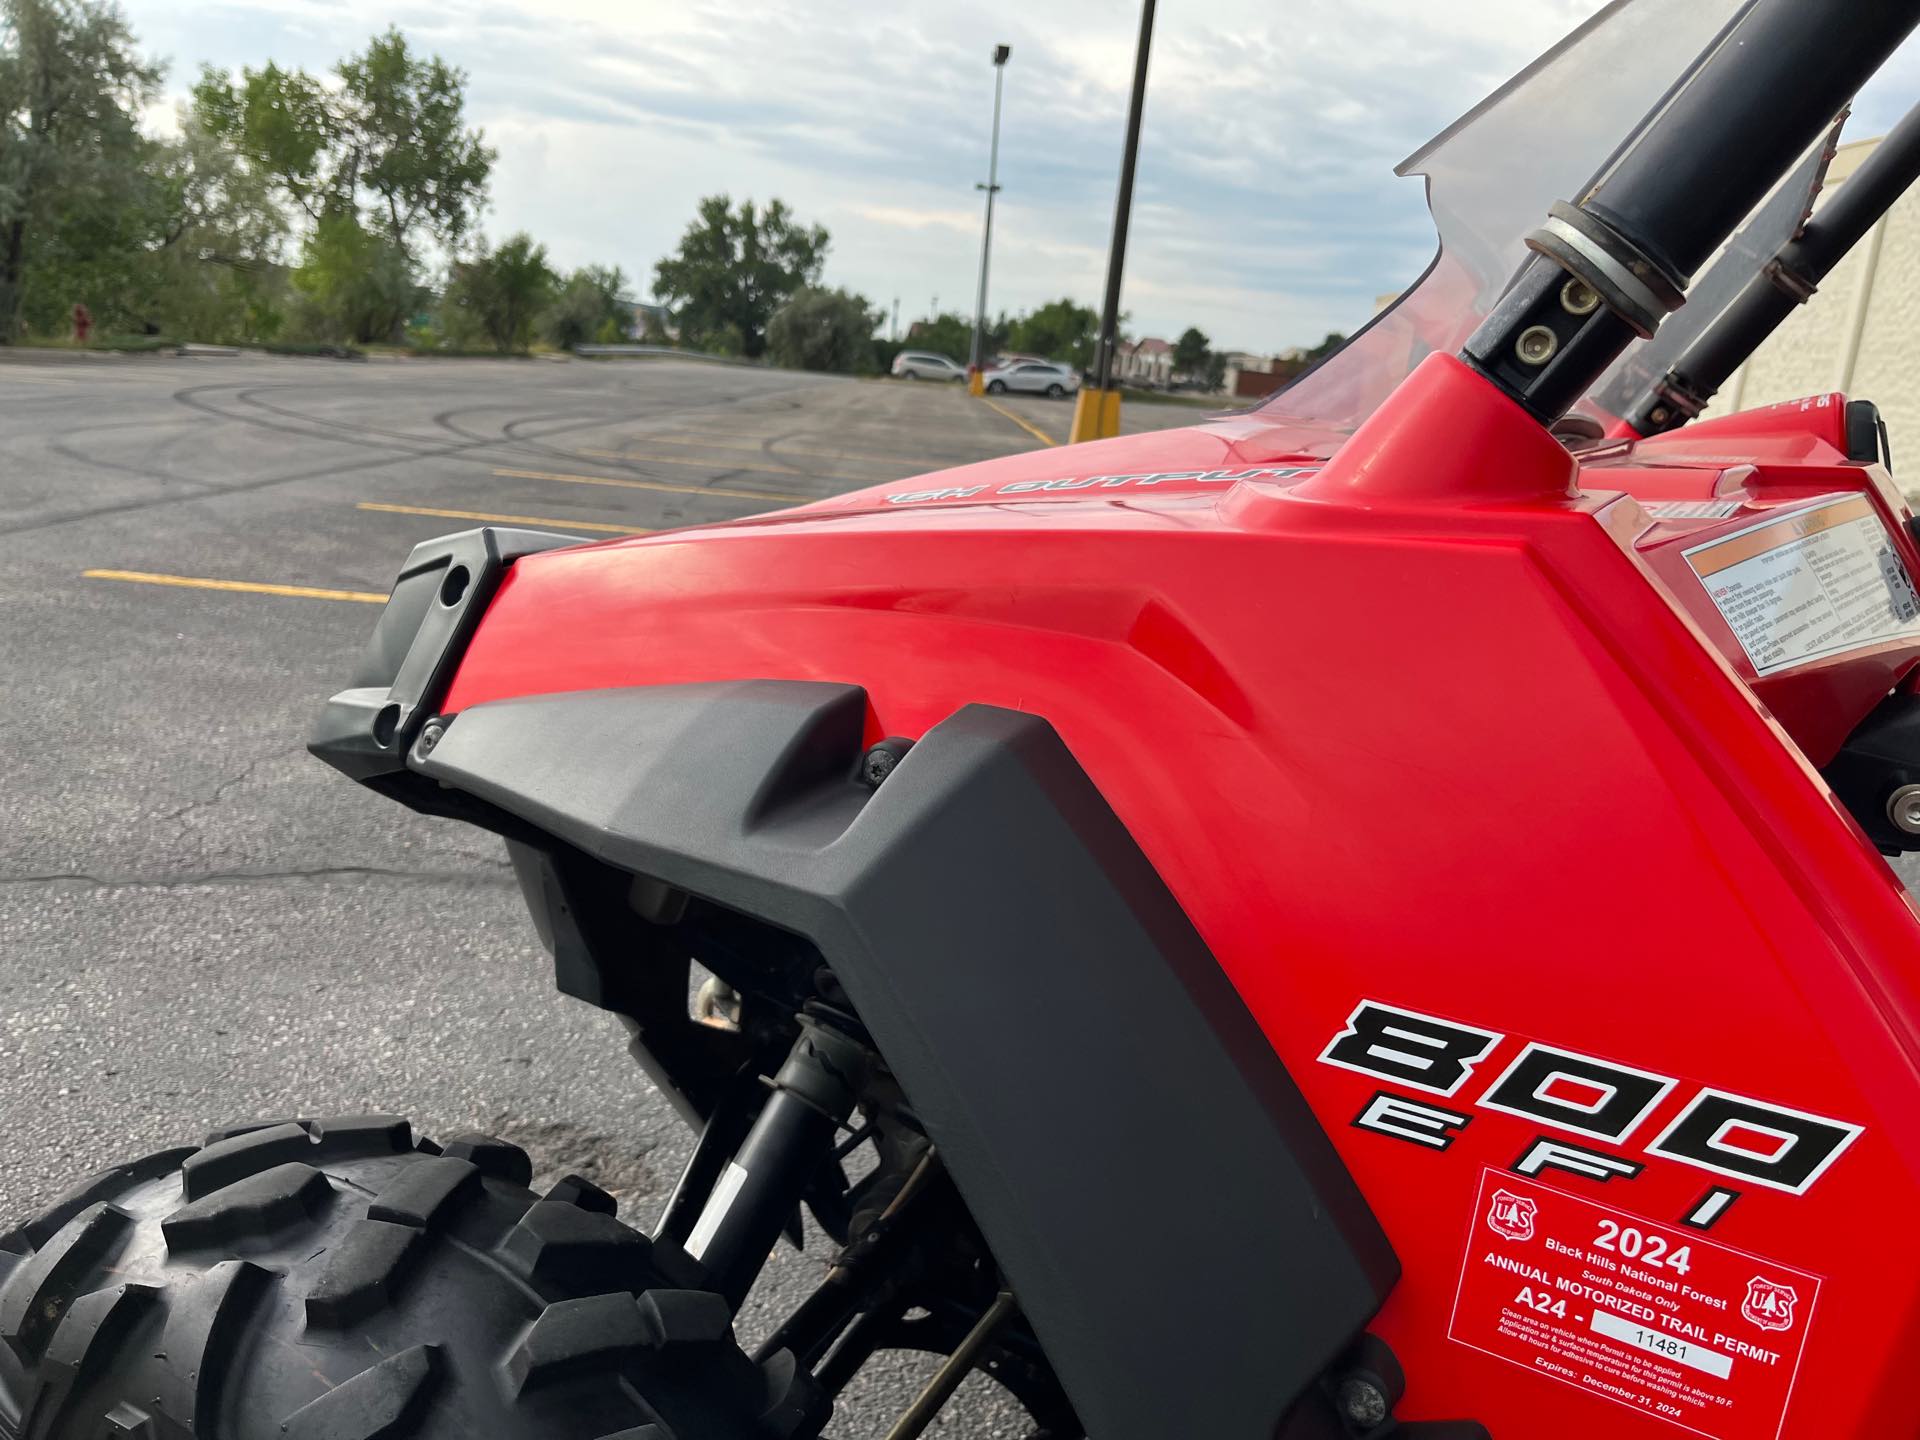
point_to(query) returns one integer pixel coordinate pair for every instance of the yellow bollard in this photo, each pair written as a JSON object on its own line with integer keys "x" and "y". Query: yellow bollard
{"x": 1096, "y": 415}
{"x": 976, "y": 382}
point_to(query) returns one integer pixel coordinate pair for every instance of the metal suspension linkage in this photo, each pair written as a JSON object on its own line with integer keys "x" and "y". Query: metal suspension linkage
{"x": 929, "y": 1403}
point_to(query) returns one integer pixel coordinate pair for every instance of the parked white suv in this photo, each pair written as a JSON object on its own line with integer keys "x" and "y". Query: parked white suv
{"x": 1033, "y": 377}
{"x": 925, "y": 365}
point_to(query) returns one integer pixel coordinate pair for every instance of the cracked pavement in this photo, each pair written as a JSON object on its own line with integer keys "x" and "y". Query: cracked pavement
{"x": 200, "y": 924}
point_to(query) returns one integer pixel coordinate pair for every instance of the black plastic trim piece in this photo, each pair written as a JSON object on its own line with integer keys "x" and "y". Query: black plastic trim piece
{"x": 1867, "y": 434}
{"x": 1157, "y": 1189}
{"x": 438, "y": 598}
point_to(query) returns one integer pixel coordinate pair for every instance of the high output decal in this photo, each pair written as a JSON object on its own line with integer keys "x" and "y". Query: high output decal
{"x": 1103, "y": 482}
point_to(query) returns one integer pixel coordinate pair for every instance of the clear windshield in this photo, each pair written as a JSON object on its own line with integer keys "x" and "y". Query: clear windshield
{"x": 1491, "y": 176}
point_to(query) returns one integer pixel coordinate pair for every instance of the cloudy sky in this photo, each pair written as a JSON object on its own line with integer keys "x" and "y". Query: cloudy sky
{"x": 1266, "y": 213}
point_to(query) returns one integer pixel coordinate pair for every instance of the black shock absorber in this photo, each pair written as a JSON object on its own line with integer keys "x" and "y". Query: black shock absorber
{"x": 762, "y": 1185}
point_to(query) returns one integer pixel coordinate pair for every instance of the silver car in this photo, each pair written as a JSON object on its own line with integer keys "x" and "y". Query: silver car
{"x": 925, "y": 365}
{"x": 1033, "y": 377}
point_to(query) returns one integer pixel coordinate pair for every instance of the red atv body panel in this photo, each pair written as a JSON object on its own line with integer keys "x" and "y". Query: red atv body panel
{"x": 1442, "y": 720}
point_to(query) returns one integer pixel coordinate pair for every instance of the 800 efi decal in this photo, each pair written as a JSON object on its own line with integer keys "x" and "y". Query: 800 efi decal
{"x": 1649, "y": 1314}
{"x": 1600, "y": 1101}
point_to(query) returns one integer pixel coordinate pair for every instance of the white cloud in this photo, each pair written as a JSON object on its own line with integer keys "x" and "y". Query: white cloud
{"x": 1266, "y": 212}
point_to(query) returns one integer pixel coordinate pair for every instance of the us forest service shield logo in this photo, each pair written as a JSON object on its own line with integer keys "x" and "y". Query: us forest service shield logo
{"x": 1769, "y": 1304}
{"x": 1512, "y": 1216}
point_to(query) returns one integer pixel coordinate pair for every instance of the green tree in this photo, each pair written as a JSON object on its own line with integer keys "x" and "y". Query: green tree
{"x": 352, "y": 284}
{"x": 1326, "y": 347}
{"x": 500, "y": 293}
{"x": 1059, "y": 330}
{"x": 1190, "y": 351}
{"x": 587, "y": 308}
{"x": 387, "y": 146}
{"x": 284, "y": 125}
{"x": 212, "y": 268}
{"x": 71, "y": 153}
{"x": 406, "y": 124}
{"x": 951, "y": 335}
{"x": 1216, "y": 371}
{"x": 824, "y": 330}
{"x": 734, "y": 268}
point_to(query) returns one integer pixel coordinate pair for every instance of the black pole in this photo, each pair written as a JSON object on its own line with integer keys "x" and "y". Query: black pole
{"x": 992, "y": 187}
{"x": 1116, "y": 262}
{"x": 1613, "y": 266}
{"x": 1789, "y": 282}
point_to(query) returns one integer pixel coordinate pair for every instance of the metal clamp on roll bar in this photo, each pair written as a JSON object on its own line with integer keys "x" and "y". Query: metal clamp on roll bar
{"x": 1795, "y": 284}
{"x": 1630, "y": 282}
{"x": 1612, "y": 269}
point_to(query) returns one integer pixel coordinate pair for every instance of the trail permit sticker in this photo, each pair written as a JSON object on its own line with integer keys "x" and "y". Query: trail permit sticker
{"x": 1818, "y": 582}
{"x": 1660, "y": 1320}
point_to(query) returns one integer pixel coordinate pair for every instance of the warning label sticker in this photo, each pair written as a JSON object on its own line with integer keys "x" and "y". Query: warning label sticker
{"x": 1663, "y": 1321}
{"x": 1818, "y": 582}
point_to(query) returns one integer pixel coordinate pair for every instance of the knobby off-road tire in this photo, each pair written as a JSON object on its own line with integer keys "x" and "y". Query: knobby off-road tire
{"x": 332, "y": 1280}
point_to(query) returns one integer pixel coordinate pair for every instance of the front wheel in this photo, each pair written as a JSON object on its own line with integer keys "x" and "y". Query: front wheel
{"x": 1054, "y": 392}
{"x": 332, "y": 1278}
{"x": 909, "y": 374}
{"x": 996, "y": 387}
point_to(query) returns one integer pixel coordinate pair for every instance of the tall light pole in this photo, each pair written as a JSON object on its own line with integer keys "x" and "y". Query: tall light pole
{"x": 1097, "y": 410}
{"x": 992, "y": 187}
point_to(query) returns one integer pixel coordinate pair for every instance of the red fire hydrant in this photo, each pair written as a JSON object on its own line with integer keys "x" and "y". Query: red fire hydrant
{"x": 82, "y": 322}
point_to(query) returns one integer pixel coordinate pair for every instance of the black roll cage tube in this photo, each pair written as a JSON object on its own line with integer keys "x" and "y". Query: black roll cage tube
{"x": 1754, "y": 102}
{"x": 1789, "y": 282}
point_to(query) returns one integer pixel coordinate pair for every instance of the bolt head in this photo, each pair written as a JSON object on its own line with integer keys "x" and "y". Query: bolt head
{"x": 430, "y": 737}
{"x": 879, "y": 765}
{"x": 1536, "y": 345}
{"x": 1362, "y": 1401}
{"x": 1903, "y": 809}
{"x": 1579, "y": 298}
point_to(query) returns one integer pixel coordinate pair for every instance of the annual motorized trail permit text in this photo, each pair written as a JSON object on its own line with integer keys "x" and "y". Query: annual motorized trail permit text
{"x": 1658, "y": 1319}
{"x": 1817, "y": 582}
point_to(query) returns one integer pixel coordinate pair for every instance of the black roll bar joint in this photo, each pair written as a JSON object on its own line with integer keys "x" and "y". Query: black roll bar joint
{"x": 1608, "y": 269}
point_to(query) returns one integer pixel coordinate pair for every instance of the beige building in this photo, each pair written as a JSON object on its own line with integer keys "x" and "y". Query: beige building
{"x": 1860, "y": 334}
{"x": 1144, "y": 362}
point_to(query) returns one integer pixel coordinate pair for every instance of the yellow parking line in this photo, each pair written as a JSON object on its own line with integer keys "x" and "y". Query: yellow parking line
{"x": 650, "y": 485}
{"x": 250, "y": 587}
{"x": 501, "y": 519}
{"x": 1034, "y": 430}
{"x": 729, "y": 465}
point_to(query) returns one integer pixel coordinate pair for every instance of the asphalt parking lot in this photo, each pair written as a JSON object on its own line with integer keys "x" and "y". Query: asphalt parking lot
{"x": 199, "y": 924}
{"x": 204, "y": 925}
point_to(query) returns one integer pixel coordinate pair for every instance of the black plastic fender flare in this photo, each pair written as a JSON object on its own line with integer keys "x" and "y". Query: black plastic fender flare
{"x": 1179, "y": 1228}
